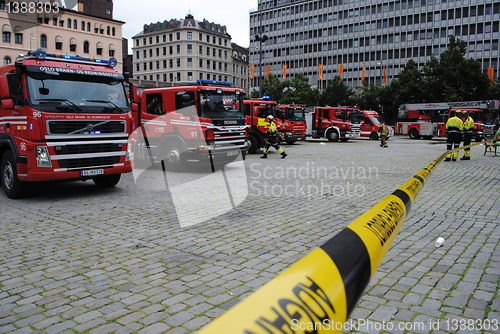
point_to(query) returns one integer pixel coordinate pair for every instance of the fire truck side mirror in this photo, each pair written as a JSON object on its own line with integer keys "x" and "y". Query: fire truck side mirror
{"x": 4, "y": 87}
{"x": 7, "y": 104}
{"x": 134, "y": 107}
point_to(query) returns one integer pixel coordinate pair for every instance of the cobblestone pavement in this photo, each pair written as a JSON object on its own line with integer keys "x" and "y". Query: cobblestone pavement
{"x": 75, "y": 259}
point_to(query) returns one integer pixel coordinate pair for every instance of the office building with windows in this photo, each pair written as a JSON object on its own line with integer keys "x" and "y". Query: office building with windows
{"x": 183, "y": 51}
{"x": 376, "y": 35}
{"x": 61, "y": 31}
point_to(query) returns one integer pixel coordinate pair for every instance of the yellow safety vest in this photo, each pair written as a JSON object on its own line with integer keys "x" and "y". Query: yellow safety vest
{"x": 272, "y": 128}
{"x": 454, "y": 124}
{"x": 468, "y": 125}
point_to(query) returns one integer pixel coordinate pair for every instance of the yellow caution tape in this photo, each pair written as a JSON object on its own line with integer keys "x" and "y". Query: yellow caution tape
{"x": 317, "y": 294}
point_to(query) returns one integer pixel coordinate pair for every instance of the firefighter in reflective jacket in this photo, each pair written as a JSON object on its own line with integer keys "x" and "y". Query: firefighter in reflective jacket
{"x": 272, "y": 132}
{"x": 468, "y": 126}
{"x": 453, "y": 127}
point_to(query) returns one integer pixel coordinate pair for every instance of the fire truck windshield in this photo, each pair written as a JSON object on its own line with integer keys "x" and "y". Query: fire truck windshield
{"x": 487, "y": 117}
{"x": 58, "y": 92}
{"x": 225, "y": 105}
{"x": 295, "y": 115}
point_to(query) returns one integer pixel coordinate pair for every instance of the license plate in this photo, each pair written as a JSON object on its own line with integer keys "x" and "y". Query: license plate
{"x": 230, "y": 154}
{"x": 91, "y": 172}
{"x": 299, "y": 138}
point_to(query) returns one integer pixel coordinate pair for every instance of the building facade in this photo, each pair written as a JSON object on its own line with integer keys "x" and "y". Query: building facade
{"x": 378, "y": 35}
{"x": 182, "y": 51}
{"x": 99, "y": 8}
{"x": 240, "y": 66}
{"x": 65, "y": 32}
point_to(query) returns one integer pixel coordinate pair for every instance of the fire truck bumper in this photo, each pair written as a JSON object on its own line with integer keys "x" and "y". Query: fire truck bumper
{"x": 54, "y": 174}
{"x": 219, "y": 156}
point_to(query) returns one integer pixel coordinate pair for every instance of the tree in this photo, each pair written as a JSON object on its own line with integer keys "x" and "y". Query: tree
{"x": 335, "y": 93}
{"x": 300, "y": 92}
{"x": 409, "y": 84}
{"x": 454, "y": 78}
{"x": 274, "y": 88}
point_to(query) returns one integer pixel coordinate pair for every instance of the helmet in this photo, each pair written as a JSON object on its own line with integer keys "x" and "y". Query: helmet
{"x": 458, "y": 113}
{"x": 270, "y": 117}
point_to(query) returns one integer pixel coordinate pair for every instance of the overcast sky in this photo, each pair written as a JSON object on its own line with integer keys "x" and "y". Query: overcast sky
{"x": 234, "y": 14}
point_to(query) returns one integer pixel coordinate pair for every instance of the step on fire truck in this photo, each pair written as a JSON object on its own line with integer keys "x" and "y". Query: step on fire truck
{"x": 256, "y": 111}
{"x": 428, "y": 120}
{"x": 200, "y": 124}
{"x": 331, "y": 123}
{"x": 62, "y": 118}
{"x": 293, "y": 122}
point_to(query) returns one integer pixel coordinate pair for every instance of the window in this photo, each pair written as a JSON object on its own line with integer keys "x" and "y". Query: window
{"x": 178, "y": 49}
{"x": 75, "y": 24}
{"x": 18, "y": 38}
{"x": 7, "y": 60}
{"x": 190, "y": 76}
{"x": 88, "y": 29}
{"x": 108, "y": 30}
{"x": 43, "y": 41}
{"x": 178, "y": 36}
{"x": 190, "y": 62}
{"x": 178, "y": 62}
{"x": 99, "y": 49}
{"x": 111, "y": 53}
{"x": 189, "y": 48}
{"x": 58, "y": 45}
{"x": 61, "y": 23}
{"x": 189, "y": 35}
{"x": 86, "y": 48}
{"x": 69, "y": 23}
{"x": 72, "y": 47}
{"x": 82, "y": 25}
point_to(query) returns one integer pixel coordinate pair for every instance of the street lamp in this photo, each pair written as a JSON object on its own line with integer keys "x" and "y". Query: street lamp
{"x": 261, "y": 40}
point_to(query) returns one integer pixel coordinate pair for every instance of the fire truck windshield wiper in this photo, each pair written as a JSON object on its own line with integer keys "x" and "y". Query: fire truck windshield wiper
{"x": 61, "y": 100}
{"x": 104, "y": 101}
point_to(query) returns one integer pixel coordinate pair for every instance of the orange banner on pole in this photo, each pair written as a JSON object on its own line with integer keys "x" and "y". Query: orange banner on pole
{"x": 341, "y": 71}
{"x": 320, "y": 70}
{"x": 363, "y": 75}
{"x": 491, "y": 73}
{"x": 384, "y": 78}
{"x": 252, "y": 67}
{"x": 268, "y": 70}
{"x": 284, "y": 72}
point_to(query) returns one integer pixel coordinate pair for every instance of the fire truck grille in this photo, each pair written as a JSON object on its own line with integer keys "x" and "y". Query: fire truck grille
{"x": 88, "y": 148}
{"x": 84, "y": 126}
{"x": 88, "y": 162}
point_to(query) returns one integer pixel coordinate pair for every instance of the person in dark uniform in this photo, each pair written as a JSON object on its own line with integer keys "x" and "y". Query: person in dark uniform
{"x": 272, "y": 132}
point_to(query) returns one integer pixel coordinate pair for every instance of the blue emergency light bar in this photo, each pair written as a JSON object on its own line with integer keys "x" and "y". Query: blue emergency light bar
{"x": 42, "y": 54}
{"x": 266, "y": 97}
{"x": 214, "y": 82}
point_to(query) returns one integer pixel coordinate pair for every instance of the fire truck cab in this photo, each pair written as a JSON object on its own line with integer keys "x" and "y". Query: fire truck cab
{"x": 293, "y": 122}
{"x": 62, "y": 118}
{"x": 256, "y": 111}
{"x": 198, "y": 124}
{"x": 370, "y": 125}
{"x": 484, "y": 114}
{"x": 331, "y": 123}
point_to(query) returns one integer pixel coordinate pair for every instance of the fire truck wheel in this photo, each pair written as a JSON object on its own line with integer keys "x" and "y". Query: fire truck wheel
{"x": 107, "y": 181}
{"x": 252, "y": 144}
{"x": 172, "y": 156}
{"x": 12, "y": 186}
{"x": 374, "y": 136}
{"x": 332, "y": 135}
{"x": 414, "y": 134}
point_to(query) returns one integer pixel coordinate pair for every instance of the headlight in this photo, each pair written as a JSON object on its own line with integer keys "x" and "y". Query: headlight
{"x": 43, "y": 157}
{"x": 130, "y": 152}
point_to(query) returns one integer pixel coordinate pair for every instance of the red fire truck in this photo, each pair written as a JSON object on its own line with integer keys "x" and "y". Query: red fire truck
{"x": 331, "y": 123}
{"x": 484, "y": 114}
{"x": 256, "y": 111}
{"x": 424, "y": 120}
{"x": 198, "y": 124}
{"x": 62, "y": 118}
{"x": 370, "y": 125}
{"x": 428, "y": 120}
{"x": 293, "y": 120}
